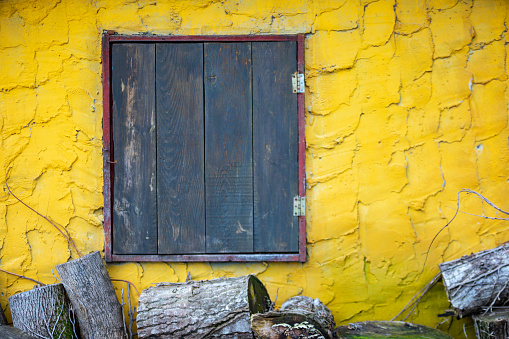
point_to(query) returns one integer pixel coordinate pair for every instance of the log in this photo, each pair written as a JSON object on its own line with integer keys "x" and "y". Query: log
{"x": 8, "y": 332}
{"x": 389, "y": 329}
{"x": 299, "y": 317}
{"x": 477, "y": 282}
{"x": 93, "y": 297}
{"x": 281, "y": 325}
{"x": 218, "y": 308}
{"x": 493, "y": 325}
{"x": 43, "y": 312}
{"x": 321, "y": 313}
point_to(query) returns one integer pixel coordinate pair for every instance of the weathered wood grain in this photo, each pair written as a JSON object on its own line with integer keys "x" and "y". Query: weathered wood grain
{"x": 93, "y": 297}
{"x": 219, "y": 308}
{"x": 134, "y": 142}
{"x": 275, "y": 147}
{"x": 228, "y": 148}
{"x": 43, "y": 312}
{"x": 7, "y": 332}
{"x": 477, "y": 282}
{"x": 180, "y": 148}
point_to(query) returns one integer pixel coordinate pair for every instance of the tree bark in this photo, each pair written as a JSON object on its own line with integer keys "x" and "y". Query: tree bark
{"x": 477, "y": 282}
{"x": 389, "y": 329}
{"x": 492, "y": 326}
{"x": 43, "y": 312}
{"x": 299, "y": 317}
{"x": 93, "y": 297}
{"x": 7, "y": 332}
{"x": 288, "y": 324}
{"x": 219, "y": 308}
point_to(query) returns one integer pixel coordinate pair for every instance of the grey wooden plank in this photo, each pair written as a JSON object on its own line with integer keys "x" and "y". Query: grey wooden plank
{"x": 228, "y": 148}
{"x": 133, "y": 120}
{"x": 275, "y": 147}
{"x": 180, "y": 153}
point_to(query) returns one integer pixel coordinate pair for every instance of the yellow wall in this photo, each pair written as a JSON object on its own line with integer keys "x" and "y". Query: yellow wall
{"x": 406, "y": 103}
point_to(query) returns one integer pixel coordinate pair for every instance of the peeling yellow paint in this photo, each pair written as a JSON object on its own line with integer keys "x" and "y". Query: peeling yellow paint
{"x": 406, "y": 104}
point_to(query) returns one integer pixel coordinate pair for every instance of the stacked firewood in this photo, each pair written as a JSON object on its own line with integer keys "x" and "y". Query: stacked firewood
{"x": 241, "y": 308}
{"x": 84, "y": 305}
{"x": 478, "y": 285}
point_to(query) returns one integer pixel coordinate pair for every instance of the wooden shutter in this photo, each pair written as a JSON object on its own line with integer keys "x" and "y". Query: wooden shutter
{"x": 206, "y": 145}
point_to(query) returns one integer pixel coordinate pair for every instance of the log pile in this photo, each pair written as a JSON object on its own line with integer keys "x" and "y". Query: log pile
{"x": 219, "y": 308}
{"x": 83, "y": 306}
{"x": 478, "y": 285}
{"x": 477, "y": 282}
{"x": 240, "y": 307}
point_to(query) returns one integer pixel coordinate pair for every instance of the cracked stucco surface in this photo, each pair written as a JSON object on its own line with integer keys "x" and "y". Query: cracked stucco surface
{"x": 406, "y": 103}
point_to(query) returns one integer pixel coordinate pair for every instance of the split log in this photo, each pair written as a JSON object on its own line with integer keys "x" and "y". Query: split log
{"x": 219, "y": 308}
{"x": 299, "y": 317}
{"x": 477, "y": 282}
{"x": 43, "y": 312}
{"x": 492, "y": 326}
{"x": 282, "y": 325}
{"x": 7, "y": 332}
{"x": 93, "y": 297}
{"x": 389, "y": 329}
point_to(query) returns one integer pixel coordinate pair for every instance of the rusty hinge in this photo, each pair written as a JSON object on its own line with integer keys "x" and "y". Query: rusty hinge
{"x": 299, "y": 206}
{"x": 298, "y": 82}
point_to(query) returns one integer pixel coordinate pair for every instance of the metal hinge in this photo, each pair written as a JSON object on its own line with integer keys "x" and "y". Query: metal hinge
{"x": 299, "y": 206}
{"x": 298, "y": 82}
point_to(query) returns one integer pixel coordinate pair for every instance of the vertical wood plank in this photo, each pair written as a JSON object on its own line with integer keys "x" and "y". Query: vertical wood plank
{"x": 228, "y": 148}
{"x": 275, "y": 147}
{"x": 180, "y": 155}
{"x": 133, "y": 120}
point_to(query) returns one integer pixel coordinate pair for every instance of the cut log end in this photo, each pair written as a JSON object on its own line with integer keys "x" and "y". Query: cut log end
{"x": 494, "y": 325}
{"x": 43, "y": 312}
{"x": 478, "y": 281}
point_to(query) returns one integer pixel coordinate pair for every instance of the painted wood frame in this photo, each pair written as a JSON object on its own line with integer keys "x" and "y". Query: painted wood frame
{"x": 110, "y": 37}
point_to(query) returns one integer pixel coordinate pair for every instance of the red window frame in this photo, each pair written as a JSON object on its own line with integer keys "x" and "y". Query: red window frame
{"x": 108, "y": 169}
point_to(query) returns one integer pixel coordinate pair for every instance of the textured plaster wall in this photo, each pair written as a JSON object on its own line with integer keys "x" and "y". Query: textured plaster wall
{"x": 406, "y": 103}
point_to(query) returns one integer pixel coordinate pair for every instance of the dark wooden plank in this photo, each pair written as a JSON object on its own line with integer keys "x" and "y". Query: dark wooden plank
{"x": 225, "y": 257}
{"x": 228, "y": 152}
{"x": 134, "y": 137}
{"x": 180, "y": 148}
{"x": 275, "y": 147}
